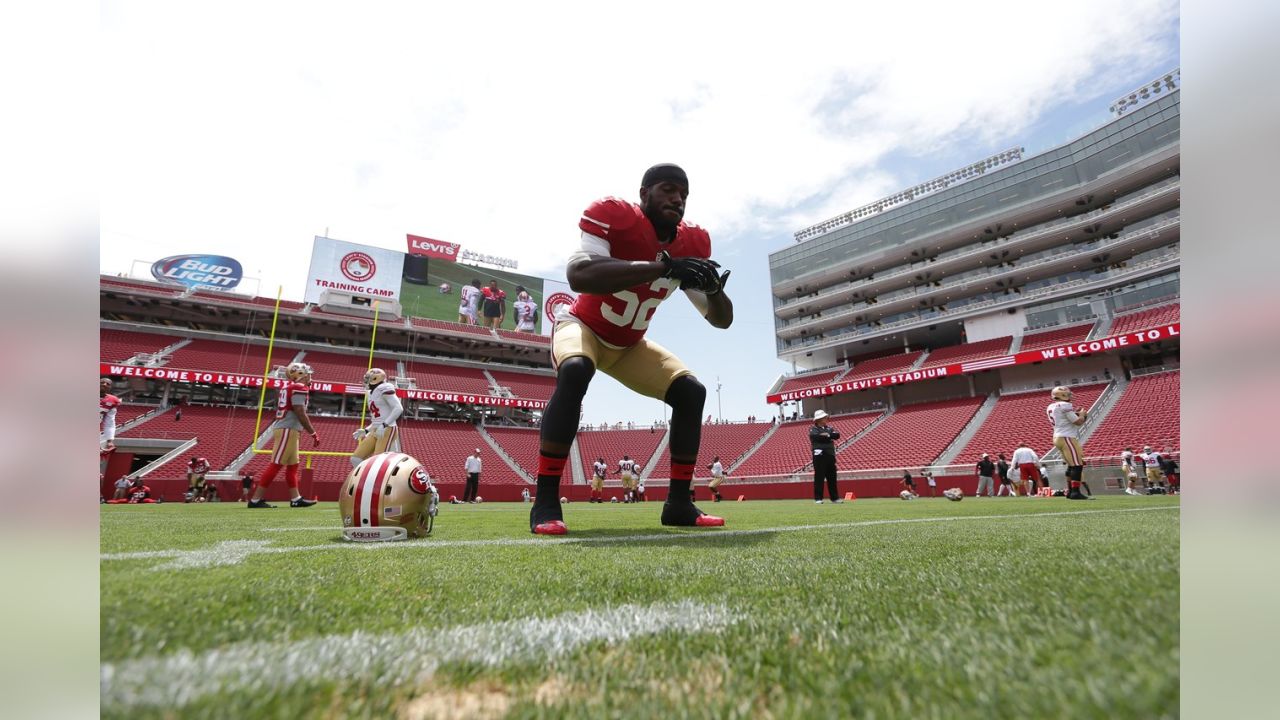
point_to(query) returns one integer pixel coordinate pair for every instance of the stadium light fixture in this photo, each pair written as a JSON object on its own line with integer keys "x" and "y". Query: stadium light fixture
{"x": 1170, "y": 81}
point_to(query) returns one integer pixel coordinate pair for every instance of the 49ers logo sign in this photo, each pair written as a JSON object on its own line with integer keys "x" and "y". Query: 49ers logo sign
{"x": 358, "y": 266}
{"x": 553, "y": 302}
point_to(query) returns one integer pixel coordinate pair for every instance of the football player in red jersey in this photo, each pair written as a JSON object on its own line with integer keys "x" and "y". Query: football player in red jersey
{"x": 632, "y": 258}
{"x": 291, "y": 418}
{"x": 107, "y": 405}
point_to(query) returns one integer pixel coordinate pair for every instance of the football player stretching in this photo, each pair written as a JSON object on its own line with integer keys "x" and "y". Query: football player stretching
{"x": 631, "y": 258}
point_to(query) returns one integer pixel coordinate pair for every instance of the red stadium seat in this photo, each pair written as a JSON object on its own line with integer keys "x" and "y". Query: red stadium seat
{"x": 912, "y": 436}
{"x": 1149, "y": 413}
{"x": 1144, "y": 319}
{"x": 965, "y": 352}
{"x": 730, "y": 442}
{"x": 788, "y": 449}
{"x": 1021, "y": 418}
{"x": 1055, "y": 337}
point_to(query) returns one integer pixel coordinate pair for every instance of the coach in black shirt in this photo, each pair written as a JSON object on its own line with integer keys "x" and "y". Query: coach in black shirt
{"x": 822, "y": 437}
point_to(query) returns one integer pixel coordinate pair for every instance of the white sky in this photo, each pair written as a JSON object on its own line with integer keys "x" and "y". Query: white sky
{"x": 244, "y": 129}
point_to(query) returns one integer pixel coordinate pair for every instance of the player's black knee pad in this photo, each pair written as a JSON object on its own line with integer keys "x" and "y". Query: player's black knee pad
{"x": 686, "y": 393}
{"x": 573, "y": 377}
{"x": 1075, "y": 472}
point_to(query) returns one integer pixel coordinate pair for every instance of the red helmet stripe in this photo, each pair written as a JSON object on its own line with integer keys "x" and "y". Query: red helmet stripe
{"x": 361, "y": 510}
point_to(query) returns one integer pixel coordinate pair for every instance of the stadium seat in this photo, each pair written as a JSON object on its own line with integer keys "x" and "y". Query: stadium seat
{"x": 120, "y": 345}
{"x": 1148, "y": 318}
{"x": 523, "y": 385}
{"x": 912, "y": 435}
{"x": 438, "y": 376}
{"x": 965, "y": 352}
{"x": 1055, "y": 337}
{"x": 883, "y": 365}
{"x": 800, "y": 382}
{"x": 788, "y": 449}
{"x": 729, "y": 441}
{"x": 613, "y": 444}
{"x": 1021, "y": 418}
{"x": 1149, "y": 413}
{"x": 344, "y": 368}
{"x": 228, "y": 356}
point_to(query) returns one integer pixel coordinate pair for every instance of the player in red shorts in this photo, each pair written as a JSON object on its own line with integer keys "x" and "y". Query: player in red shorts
{"x": 632, "y": 257}
{"x": 1024, "y": 458}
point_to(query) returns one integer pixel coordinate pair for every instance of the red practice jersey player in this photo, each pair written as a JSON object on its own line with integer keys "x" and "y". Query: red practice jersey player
{"x": 107, "y": 404}
{"x": 291, "y": 419}
{"x": 631, "y": 258}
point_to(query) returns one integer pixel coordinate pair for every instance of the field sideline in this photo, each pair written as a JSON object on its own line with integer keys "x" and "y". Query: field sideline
{"x": 1002, "y": 607}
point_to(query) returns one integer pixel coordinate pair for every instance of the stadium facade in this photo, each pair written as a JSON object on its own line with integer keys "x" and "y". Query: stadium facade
{"x": 972, "y": 263}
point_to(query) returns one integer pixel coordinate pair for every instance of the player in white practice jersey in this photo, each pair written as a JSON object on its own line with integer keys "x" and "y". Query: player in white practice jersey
{"x": 598, "y": 472}
{"x": 1066, "y": 421}
{"x": 627, "y": 469}
{"x": 469, "y": 303}
{"x": 382, "y": 434}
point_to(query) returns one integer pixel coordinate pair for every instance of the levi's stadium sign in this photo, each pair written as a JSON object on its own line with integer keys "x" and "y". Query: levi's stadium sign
{"x": 1069, "y": 350}
{"x": 433, "y": 248}
{"x": 203, "y": 272}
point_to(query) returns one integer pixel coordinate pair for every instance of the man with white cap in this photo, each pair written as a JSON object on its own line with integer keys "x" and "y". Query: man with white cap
{"x": 473, "y": 477}
{"x": 822, "y": 437}
{"x": 986, "y": 470}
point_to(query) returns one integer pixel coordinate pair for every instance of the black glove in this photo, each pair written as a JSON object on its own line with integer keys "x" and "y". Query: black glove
{"x": 694, "y": 273}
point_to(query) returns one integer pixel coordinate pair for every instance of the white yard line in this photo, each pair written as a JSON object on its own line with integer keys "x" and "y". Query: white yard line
{"x": 231, "y": 552}
{"x": 180, "y": 678}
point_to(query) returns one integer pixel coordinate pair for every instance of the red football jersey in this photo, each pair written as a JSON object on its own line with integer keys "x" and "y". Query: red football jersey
{"x": 107, "y": 405}
{"x": 622, "y": 318}
{"x": 286, "y": 399}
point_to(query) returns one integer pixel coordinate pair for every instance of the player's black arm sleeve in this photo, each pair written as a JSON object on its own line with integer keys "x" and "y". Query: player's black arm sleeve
{"x": 601, "y": 275}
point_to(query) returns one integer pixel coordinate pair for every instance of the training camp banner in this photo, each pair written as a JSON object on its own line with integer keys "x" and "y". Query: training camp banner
{"x": 1075, "y": 349}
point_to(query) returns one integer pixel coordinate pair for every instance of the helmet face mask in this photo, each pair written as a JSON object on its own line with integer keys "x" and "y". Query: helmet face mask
{"x": 1061, "y": 393}
{"x": 389, "y": 496}
{"x": 375, "y": 377}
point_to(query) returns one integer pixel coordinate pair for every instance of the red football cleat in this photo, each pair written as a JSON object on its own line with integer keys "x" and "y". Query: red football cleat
{"x": 709, "y": 521}
{"x": 556, "y": 527}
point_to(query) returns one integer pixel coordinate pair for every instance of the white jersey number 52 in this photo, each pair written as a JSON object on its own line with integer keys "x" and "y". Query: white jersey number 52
{"x": 636, "y": 314}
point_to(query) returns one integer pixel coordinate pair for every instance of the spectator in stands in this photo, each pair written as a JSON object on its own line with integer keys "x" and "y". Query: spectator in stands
{"x": 196, "y": 469}
{"x": 932, "y": 482}
{"x": 495, "y": 305}
{"x": 717, "y": 477}
{"x": 822, "y": 439}
{"x": 1128, "y": 468}
{"x": 469, "y": 302}
{"x": 1025, "y": 460}
{"x": 472, "y": 466}
{"x": 246, "y": 484}
{"x": 1003, "y": 471}
{"x": 177, "y": 414}
{"x": 986, "y": 472}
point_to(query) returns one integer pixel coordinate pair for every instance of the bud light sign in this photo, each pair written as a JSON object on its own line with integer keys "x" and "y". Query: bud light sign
{"x": 203, "y": 272}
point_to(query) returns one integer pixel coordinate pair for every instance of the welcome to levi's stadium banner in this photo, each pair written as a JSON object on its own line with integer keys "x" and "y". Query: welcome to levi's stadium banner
{"x": 1075, "y": 349}
{"x": 208, "y": 377}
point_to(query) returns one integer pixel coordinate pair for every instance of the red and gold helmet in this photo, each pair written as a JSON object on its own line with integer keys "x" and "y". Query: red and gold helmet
{"x": 389, "y": 496}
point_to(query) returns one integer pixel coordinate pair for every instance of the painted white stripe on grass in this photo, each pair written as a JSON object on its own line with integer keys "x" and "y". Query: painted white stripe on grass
{"x": 175, "y": 680}
{"x": 232, "y": 551}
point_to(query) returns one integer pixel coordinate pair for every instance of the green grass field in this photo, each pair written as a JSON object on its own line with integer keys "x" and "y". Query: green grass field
{"x": 986, "y": 608}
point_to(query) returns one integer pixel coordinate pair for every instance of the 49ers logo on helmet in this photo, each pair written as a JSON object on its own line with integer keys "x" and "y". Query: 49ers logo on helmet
{"x": 419, "y": 482}
{"x": 358, "y": 266}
